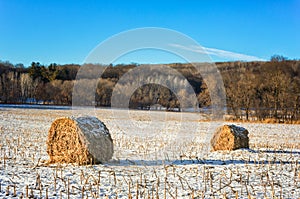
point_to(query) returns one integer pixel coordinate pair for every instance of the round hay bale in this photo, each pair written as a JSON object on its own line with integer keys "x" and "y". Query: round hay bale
{"x": 81, "y": 140}
{"x": 230, "y": 137}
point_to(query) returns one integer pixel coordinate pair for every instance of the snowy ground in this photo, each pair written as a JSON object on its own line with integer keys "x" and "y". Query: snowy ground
{"x": 157, "y": 155}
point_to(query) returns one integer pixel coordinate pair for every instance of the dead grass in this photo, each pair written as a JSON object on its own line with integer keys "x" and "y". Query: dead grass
{"x": 266, "y": 121}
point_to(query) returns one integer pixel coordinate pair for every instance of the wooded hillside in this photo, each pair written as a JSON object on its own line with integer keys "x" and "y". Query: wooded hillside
{"x": 257, "y": 90}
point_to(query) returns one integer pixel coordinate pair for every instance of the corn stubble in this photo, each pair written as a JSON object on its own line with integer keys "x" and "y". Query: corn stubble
{"x": 269, "y": 171}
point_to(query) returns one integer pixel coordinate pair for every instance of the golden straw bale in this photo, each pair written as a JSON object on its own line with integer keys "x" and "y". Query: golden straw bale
{"x": 230, "y": 137}
{"x": 81, "y": 140}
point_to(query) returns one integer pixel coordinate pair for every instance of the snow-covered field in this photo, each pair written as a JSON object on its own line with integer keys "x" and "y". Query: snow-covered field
{"x": 157, "y": 155}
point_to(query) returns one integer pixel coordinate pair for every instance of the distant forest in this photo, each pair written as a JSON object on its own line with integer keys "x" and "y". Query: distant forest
{"x": 254, "y": 90}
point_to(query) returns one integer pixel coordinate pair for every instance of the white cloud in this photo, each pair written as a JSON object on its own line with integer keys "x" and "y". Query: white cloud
{"x": 218, "y": 53}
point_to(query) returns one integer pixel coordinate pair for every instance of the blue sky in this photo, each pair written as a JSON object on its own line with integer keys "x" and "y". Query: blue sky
{"x": 65, "y": 31}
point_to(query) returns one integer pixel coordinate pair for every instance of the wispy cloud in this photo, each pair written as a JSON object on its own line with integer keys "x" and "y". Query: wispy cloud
{"x": 218, "y": 53}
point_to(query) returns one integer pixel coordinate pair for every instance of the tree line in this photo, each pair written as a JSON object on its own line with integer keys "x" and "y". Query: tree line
{"x": 254, "y": 90}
